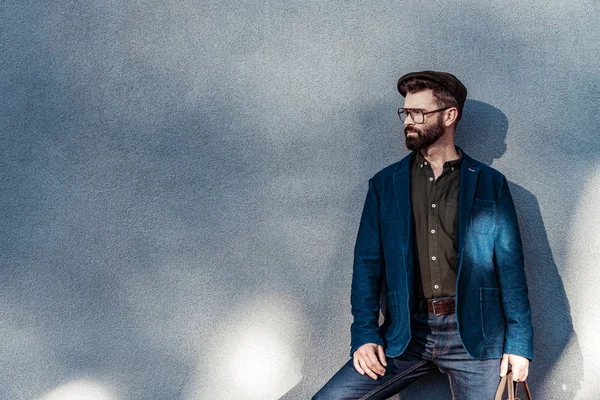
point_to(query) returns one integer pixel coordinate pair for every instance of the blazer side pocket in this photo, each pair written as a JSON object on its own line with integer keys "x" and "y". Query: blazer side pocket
{"x": 392, "y": 304}
{"x": 492, "y": 315}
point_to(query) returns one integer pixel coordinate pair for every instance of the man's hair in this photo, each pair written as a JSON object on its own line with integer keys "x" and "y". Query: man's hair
{"x": 443, "y": 97}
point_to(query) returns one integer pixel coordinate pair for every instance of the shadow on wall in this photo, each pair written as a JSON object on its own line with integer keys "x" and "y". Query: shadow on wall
{"x": 105, "y": 214}
{"x": 482, "y": 135}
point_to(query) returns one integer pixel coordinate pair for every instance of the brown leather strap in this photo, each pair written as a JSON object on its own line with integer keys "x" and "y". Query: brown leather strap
{"x": 526, "y": 391}
{"x": 507, "y": 381}
{"x": 500, "y": 389}
{"x": 441, "y": 306}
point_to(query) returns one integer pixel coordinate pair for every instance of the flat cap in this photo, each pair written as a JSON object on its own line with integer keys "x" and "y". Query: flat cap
{"x": 444, "y": 79}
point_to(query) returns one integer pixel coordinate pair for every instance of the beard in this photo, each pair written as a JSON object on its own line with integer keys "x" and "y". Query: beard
{"x": 425, "y": 137}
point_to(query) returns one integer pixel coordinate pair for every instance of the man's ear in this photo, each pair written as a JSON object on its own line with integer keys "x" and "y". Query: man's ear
{"x": 451, "y": 116}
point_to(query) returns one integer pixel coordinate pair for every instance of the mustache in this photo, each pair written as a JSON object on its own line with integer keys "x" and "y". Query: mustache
{"x": 411, "y": 129}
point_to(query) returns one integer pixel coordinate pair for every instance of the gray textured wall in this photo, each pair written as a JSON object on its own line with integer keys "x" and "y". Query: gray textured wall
{"x": 182, "y": 184}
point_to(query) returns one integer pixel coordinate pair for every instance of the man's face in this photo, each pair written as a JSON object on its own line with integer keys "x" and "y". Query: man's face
{"x": 421, "y": 136}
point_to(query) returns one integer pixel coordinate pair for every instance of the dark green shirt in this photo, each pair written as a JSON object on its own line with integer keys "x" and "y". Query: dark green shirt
{"x": 434, "y": 208}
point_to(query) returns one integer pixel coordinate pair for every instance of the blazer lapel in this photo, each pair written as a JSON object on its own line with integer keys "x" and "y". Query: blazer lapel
{"x": 403, "y": 202}
{"x": 468, "y": 180}
{"x": 405, "y": 228}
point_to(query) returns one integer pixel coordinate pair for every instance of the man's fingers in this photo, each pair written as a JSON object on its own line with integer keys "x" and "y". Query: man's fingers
{"x": 365, "y": 367}
{"x": 520, "y": 373}
{"x": 366, "y": 361}
{"x": 357, "y": 366}
{"x": 519, "y": 366}
{"x": 516, "y": 370}
{"x": 381, "y": 354}
{"x": 374, "y": 364}
{"x": 504, "y": 365}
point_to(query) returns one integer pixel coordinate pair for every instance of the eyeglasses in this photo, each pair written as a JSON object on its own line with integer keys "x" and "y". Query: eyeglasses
{"x": 417, "y": 115}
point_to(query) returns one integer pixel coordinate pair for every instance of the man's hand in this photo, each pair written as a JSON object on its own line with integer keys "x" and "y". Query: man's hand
{"x": 519, "y": 364}
{"x": 368, "y": 359}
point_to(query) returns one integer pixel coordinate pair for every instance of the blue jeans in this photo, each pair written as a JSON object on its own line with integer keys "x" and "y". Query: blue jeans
{"x": 435, "y": 344}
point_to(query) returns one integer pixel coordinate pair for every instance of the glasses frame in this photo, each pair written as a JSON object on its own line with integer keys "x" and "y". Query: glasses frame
{"x": 402, "y": 111}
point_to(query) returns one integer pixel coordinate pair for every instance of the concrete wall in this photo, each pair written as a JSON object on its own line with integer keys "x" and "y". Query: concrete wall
{"x": 182, "y": 183}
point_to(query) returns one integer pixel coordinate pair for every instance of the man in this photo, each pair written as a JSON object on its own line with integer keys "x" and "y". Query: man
{"x": 439, "y": 235}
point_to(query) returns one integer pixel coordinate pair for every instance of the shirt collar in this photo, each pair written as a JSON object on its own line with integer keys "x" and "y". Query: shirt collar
{"x": 421, "y": 162}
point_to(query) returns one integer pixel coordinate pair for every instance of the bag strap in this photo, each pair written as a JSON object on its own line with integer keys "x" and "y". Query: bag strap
{"x": 526, "y": 390}
{"x": 506, "y": 379}
{"x": 500, "y": 389}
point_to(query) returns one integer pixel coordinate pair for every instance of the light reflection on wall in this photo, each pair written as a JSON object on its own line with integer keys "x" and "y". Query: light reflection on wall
{"x": 580, "y": 278}
{"x": 255, "y": 357}
{"x": 79, "y": 390}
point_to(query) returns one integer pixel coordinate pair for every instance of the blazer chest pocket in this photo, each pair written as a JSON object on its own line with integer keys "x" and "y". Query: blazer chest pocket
{"x": 483, "y": 216}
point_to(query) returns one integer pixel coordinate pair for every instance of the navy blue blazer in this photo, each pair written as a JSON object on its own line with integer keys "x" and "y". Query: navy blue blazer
{"x": 492, "y": 305}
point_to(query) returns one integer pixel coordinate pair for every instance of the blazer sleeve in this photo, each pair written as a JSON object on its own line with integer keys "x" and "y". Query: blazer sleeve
{"x": 367, "y": 275}
{"x": 508, "y": 255}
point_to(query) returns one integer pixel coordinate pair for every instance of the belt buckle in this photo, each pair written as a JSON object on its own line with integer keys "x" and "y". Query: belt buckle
{"x": 433, "y": 305}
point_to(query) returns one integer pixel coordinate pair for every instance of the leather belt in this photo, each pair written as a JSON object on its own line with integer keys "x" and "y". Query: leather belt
{"x": 438, "y": 306}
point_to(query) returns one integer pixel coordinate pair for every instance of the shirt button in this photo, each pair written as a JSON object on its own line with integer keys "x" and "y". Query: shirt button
{"x": 452, "y": 168}
{"x": 421, "y": 165}
{"x": 433, "y": 258}
{"x": 433, "y": 206}
{"x": 433, "y": 231}
{"x": 425, "y": 163}
{"x": 436, "y": 287}
{"x": 430, "y": 178}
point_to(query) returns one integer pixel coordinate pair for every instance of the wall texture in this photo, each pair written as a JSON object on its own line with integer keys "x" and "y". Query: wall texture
{"x": 181, "y": 184}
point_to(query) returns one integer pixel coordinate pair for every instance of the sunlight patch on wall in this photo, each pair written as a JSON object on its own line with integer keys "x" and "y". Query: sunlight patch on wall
{"x": 79, "y": 390}
{"x": 255, "y": 356}
{"x": 581, "y": 277}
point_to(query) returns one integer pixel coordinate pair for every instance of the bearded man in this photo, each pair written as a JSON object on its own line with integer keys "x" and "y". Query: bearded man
{"x": 439, "y": 236}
